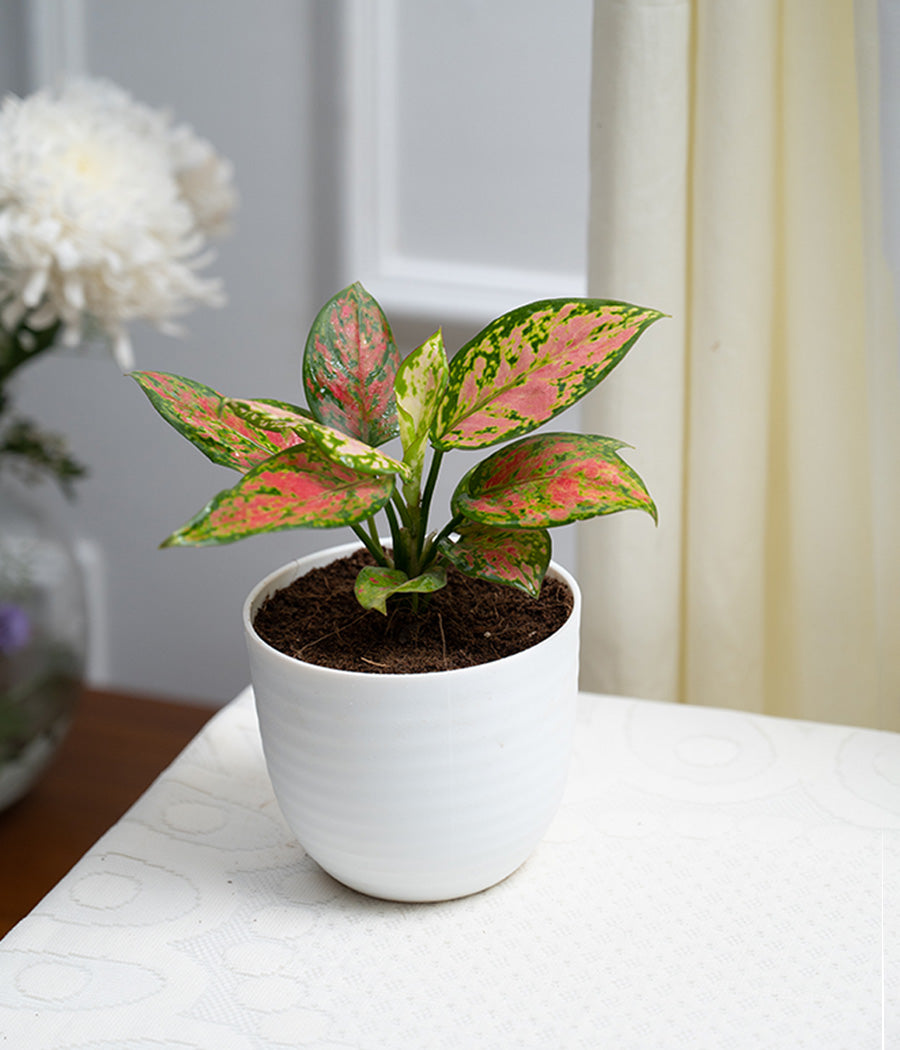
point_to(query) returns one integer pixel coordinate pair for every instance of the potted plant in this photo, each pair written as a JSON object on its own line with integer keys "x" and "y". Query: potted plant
{"x": 438, "y": 783}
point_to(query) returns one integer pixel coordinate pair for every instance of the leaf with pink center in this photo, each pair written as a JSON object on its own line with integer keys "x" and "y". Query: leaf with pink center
{"x": 204, "y": 417}
{"x": 376, "y": 583}
{"x": 349, "y": 367}
{"x": 296, "y": 488}
{"x": 530, "y": 364}
{"x": 518, "y": 557}
{"x": 551, "y": 479}
{"x": 336, "y": 445}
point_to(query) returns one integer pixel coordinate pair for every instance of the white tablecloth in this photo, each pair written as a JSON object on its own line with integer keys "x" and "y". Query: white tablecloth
{"x": 713, "y": 880}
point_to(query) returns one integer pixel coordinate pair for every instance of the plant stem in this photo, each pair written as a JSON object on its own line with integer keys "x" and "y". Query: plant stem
{"x": 373, "y": 548}
{"x": 449, "y": 527}
{"x": 396, "y": 538}
{"x": 373, "y": 533}
{"x": 405, "y": 515}
{"x": 425, "y": 505}
{"x": 409, "y": 534}
{"x": 445, "y": 531}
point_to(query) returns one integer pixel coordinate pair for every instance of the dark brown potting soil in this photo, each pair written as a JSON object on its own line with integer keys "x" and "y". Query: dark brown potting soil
{"x": 318, "y": 619}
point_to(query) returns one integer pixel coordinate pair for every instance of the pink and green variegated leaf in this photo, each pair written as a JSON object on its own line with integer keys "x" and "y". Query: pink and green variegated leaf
{"x": 296, "y": 488}
{"x": 266, "y": 413}
{"x": 203, "y": 416}
{"x": 337, "y": 446}
{"x": 518, "y": 557}
{"x": 419, "y": 386}
{"x": 349, "y": 367}
{"x": 530, "y": 364}
{"x": 352, "y": 453}
{"x": 376, "y": 583}
{"x": 551, "y": 479}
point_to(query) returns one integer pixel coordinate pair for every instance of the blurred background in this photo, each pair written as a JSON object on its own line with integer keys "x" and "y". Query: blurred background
{"x": 436, "y": 152}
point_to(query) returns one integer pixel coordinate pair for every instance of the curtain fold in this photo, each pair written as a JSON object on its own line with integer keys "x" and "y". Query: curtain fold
{"x": 735, "y": 185}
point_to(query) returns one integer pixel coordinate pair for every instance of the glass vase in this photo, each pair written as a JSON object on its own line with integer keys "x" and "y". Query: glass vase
{"x": 43, "y": 639}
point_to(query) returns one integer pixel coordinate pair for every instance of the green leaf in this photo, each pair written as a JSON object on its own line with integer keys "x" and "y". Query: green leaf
{"x": 551, "y": 479}
{"x": 531, "y": 364}
{"x": 32, "y": 453}
{"x": 265, "y": 413}
{"x": 349, "y": 367}
{"x": 299, "y": 487}
{"x": 202, "y": 415}
{"x": 419, "y": 386}
{"x": 336, "y": 445}
{"x": 518, "y": 557}
{"x": 376, "y": 583}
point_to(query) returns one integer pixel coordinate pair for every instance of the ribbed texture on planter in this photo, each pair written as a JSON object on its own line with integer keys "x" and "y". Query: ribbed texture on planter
{"x": 416, "y": 787}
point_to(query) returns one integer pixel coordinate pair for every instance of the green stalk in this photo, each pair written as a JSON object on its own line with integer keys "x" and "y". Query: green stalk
{"x": 409, "y": 535}
{"x": 425, "y": 504}
{"x": 432, "y": 547}
{"x": 393, "y": 523}
{"x": 401, "y": 560}
{"x": 373, "y": 533}
{"x": 405, "y": 514}
{"x": 374, "y": 548}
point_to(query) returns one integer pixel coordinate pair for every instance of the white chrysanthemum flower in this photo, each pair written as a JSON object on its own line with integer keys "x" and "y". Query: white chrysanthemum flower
{"x": 104, "y": 210}
{"x": 205, "y": 181}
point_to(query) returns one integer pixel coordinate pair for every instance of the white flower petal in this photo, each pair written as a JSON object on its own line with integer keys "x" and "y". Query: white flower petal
{"x": 43, "y": 317}
{"x": 12, "y": 314}
{"x": 104, "y": 212}
{"x": 71, "y": 334}
{"x": 122, "y": 351}
{"x": 34, "y": 289}
{"x": 74, "y": 294}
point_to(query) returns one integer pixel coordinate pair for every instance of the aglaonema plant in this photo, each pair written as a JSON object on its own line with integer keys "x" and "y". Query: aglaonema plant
{"x": 321, "y": 467}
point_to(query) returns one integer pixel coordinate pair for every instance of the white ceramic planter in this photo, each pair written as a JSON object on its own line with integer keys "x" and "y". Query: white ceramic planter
{"x": 417, "y": 787}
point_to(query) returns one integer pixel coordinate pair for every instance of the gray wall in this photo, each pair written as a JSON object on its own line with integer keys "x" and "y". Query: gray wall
{"x": 13, "y": 66}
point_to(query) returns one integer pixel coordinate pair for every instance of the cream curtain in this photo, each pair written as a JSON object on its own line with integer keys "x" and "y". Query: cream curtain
{"x": 735, "y": 185}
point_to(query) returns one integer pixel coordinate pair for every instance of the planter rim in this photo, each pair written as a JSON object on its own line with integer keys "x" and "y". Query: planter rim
{"x": 341, "y": 551}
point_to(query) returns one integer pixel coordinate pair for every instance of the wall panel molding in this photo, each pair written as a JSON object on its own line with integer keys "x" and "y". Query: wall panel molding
{"x": 415, "y": 283}
{"x": 56, "y": 41}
